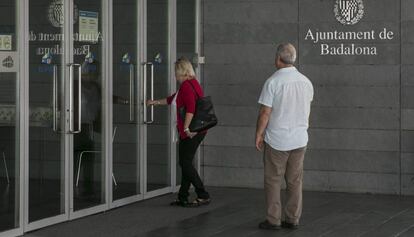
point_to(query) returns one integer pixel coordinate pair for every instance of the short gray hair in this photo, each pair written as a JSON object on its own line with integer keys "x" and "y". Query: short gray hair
{"x": 286, "y": 52}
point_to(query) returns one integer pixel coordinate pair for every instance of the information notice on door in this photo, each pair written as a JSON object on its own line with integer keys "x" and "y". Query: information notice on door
{"x": 88, "y": 26}
{"x": 5, "y": 42}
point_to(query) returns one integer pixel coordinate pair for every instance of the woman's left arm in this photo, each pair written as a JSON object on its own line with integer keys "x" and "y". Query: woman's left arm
{"x": 190, "y": 104}
{"x": 187, "y": 122}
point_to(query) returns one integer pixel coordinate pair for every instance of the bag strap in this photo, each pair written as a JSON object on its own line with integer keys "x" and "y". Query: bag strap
{"x": 194, "y": 89}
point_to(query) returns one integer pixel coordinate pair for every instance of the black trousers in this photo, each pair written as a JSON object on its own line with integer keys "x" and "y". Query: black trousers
{"x": 187, "y": 149}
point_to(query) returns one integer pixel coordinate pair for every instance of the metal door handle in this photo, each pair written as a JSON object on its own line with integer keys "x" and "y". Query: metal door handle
{"x": 152, "y": 91}
{"x": 131, "y": 93}
{"x": 146, "y": 121}
{"x": 71, "y": 87}
{"x": 55, "y": 98}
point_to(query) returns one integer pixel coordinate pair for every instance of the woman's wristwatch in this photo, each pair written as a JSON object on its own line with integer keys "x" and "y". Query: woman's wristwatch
{"x": 186, "y": 130}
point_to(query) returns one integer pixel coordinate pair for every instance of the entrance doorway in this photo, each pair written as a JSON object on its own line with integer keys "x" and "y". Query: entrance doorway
{"x": 77, "y": 136}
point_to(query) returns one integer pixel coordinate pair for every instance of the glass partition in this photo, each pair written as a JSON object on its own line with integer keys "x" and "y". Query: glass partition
{"x": 46, "y": 158}
{"x": 89, "y": 163}
{"x": 158, "y": 149}
{"x": 9, "y": 118}
{"x": 125, "y": 118}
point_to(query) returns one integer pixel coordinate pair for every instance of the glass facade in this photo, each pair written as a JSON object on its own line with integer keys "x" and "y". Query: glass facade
{"x": 76, "y": 122}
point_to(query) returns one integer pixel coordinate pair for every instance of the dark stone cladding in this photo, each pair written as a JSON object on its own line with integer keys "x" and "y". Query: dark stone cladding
{"x": 362, "y": 119}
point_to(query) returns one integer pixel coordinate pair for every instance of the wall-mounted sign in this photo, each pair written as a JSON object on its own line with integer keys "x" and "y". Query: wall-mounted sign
{"x": 5, "y": 42}
{"x": 88, "y": 26}
{"x": 9, "y": 62}
{"x": 349, "y": 12}
{"x": 331, "y": 40}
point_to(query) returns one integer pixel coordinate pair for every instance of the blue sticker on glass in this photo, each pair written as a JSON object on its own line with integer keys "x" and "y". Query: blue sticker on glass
{"x": 47, "y": 58}
{"x": 90, "y": 58}
{"x": 158, "y": 58}
{"x": 126, "y": 59}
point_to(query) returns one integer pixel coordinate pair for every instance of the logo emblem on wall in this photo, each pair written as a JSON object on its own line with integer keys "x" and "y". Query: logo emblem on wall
{"x": 55, "y": 13}
{"x": 8, "y": 62}
{"x": 349, "y": 12}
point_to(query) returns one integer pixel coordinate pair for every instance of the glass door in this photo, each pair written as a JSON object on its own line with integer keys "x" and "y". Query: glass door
{"x": 10, "y": 217}
{"x": 156, "y": 83}
{"x": 125, "y": 136}
{"x": 86, "y": 100}
{"x": 46, "y": 163}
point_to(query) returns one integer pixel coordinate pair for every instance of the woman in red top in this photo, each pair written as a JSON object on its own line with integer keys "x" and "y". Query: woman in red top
{"x": 185, "y": 100}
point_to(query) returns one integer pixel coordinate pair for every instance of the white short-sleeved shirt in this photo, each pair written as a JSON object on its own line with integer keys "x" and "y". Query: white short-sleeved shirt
{"x": 289, "y": 93}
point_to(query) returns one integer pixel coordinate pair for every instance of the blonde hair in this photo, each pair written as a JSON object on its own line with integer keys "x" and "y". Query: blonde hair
{"x": 183, "y": 67}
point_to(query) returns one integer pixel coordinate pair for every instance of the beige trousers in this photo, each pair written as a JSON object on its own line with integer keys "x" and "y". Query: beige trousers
{"x": 290, "y": 165}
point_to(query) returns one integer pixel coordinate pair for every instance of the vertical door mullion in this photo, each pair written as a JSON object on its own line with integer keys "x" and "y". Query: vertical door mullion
{"x": 68, "y": 137}
{"x": 143, "y": 139}
{"x": 24, "y": 110}
{"x": 172, "y": 41}
{"x": 198, "y": 69}
{"x": 107, "y": 98}
{"x": 109, "y": 115}
{"x": 138, "y": 113}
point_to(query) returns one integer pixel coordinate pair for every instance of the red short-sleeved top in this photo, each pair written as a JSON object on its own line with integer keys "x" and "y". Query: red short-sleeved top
{"x": 186, "y": 99}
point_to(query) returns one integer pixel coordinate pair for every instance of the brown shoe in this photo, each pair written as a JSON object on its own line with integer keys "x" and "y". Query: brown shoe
{"x": 268, "y": 226}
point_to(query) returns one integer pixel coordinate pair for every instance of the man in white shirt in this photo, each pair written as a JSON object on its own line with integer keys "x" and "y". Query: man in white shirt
{"x": 282, "y": 132}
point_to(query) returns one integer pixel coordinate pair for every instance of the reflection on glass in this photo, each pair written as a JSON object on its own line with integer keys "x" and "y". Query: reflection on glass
{"x": 89, "y": 189}
{"x": 158, "y": 154}
{"x": 125, "y": 120}
{"x": 186, "y": 28}
{"x": 9, "y": 161}
{"x": 9, "y": 107}
{"x": 46, "y": 162}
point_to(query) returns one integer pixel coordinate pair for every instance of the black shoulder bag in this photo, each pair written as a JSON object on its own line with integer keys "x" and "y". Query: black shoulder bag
{"x": 204, "y": 116}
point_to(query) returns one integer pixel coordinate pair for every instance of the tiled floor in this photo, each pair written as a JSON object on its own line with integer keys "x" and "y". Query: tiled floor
{"x": 237, "y": 212}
